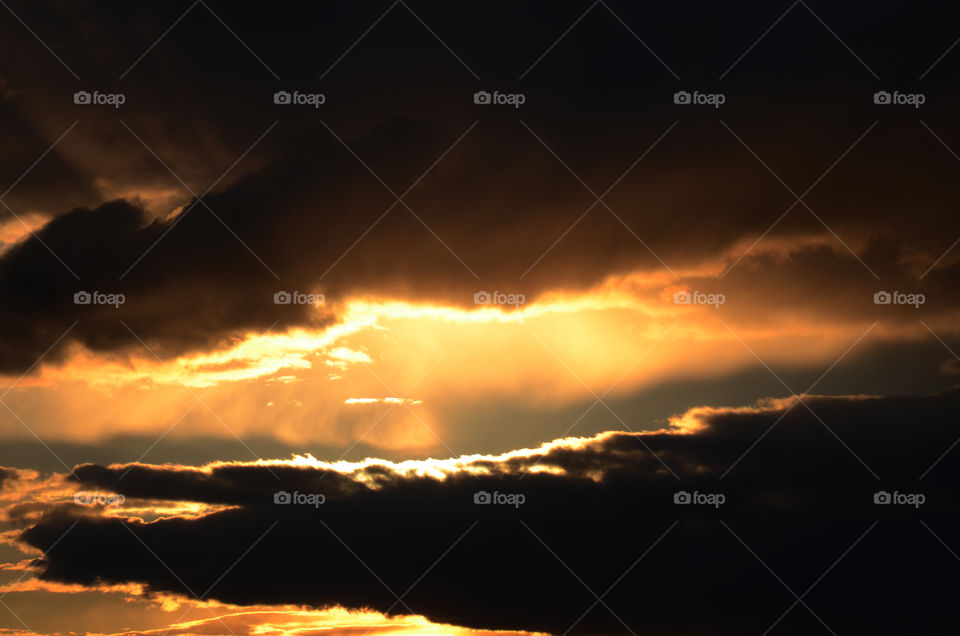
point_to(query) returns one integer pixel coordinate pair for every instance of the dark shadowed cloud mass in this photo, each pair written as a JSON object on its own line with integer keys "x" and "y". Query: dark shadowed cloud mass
{"x": 795, "y": 503}
{"x": 492, "y": 201}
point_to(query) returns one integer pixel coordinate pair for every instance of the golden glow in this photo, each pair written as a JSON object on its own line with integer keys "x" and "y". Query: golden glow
{"x": 474, "y": 464}
{"x": 332, "y": 621}
{"x": 122, "y": 606}
{"x": 386, "y": 400}
{"x": 397, "y": 374}
{"x": 13, "y": 230}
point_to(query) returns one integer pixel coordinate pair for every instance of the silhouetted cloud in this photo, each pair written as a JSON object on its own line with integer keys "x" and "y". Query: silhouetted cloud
{"x": 799, "y": 492}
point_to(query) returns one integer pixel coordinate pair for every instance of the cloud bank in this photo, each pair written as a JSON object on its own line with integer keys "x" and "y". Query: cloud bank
{"x": 597, "y": 516}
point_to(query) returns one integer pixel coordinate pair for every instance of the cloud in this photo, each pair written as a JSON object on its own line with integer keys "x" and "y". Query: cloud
{"x": 7, "y": 475}
{"x": 305, "y": 623}
{"x": 25, "y": 142}
{"x": 498, "y": 201}
{"x": 799, "y": 492}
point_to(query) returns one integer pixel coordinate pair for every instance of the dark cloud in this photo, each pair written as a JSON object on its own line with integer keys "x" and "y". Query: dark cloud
{"x": 210, "y": 274}
{"x": 23, "y": 146}
{"x": 497, "y": 201}
{"x": 798, "y": 499}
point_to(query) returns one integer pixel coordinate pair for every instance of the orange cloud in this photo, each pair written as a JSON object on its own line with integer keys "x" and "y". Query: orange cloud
{"x": 425, "y": 360}
{"x": 333, "y": 622}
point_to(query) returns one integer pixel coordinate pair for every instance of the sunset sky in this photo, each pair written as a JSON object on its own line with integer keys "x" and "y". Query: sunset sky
{"x": 479, "y": 318}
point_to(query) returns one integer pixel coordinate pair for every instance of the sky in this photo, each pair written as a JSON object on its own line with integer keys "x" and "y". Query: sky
{"x": 479, "y": 318}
